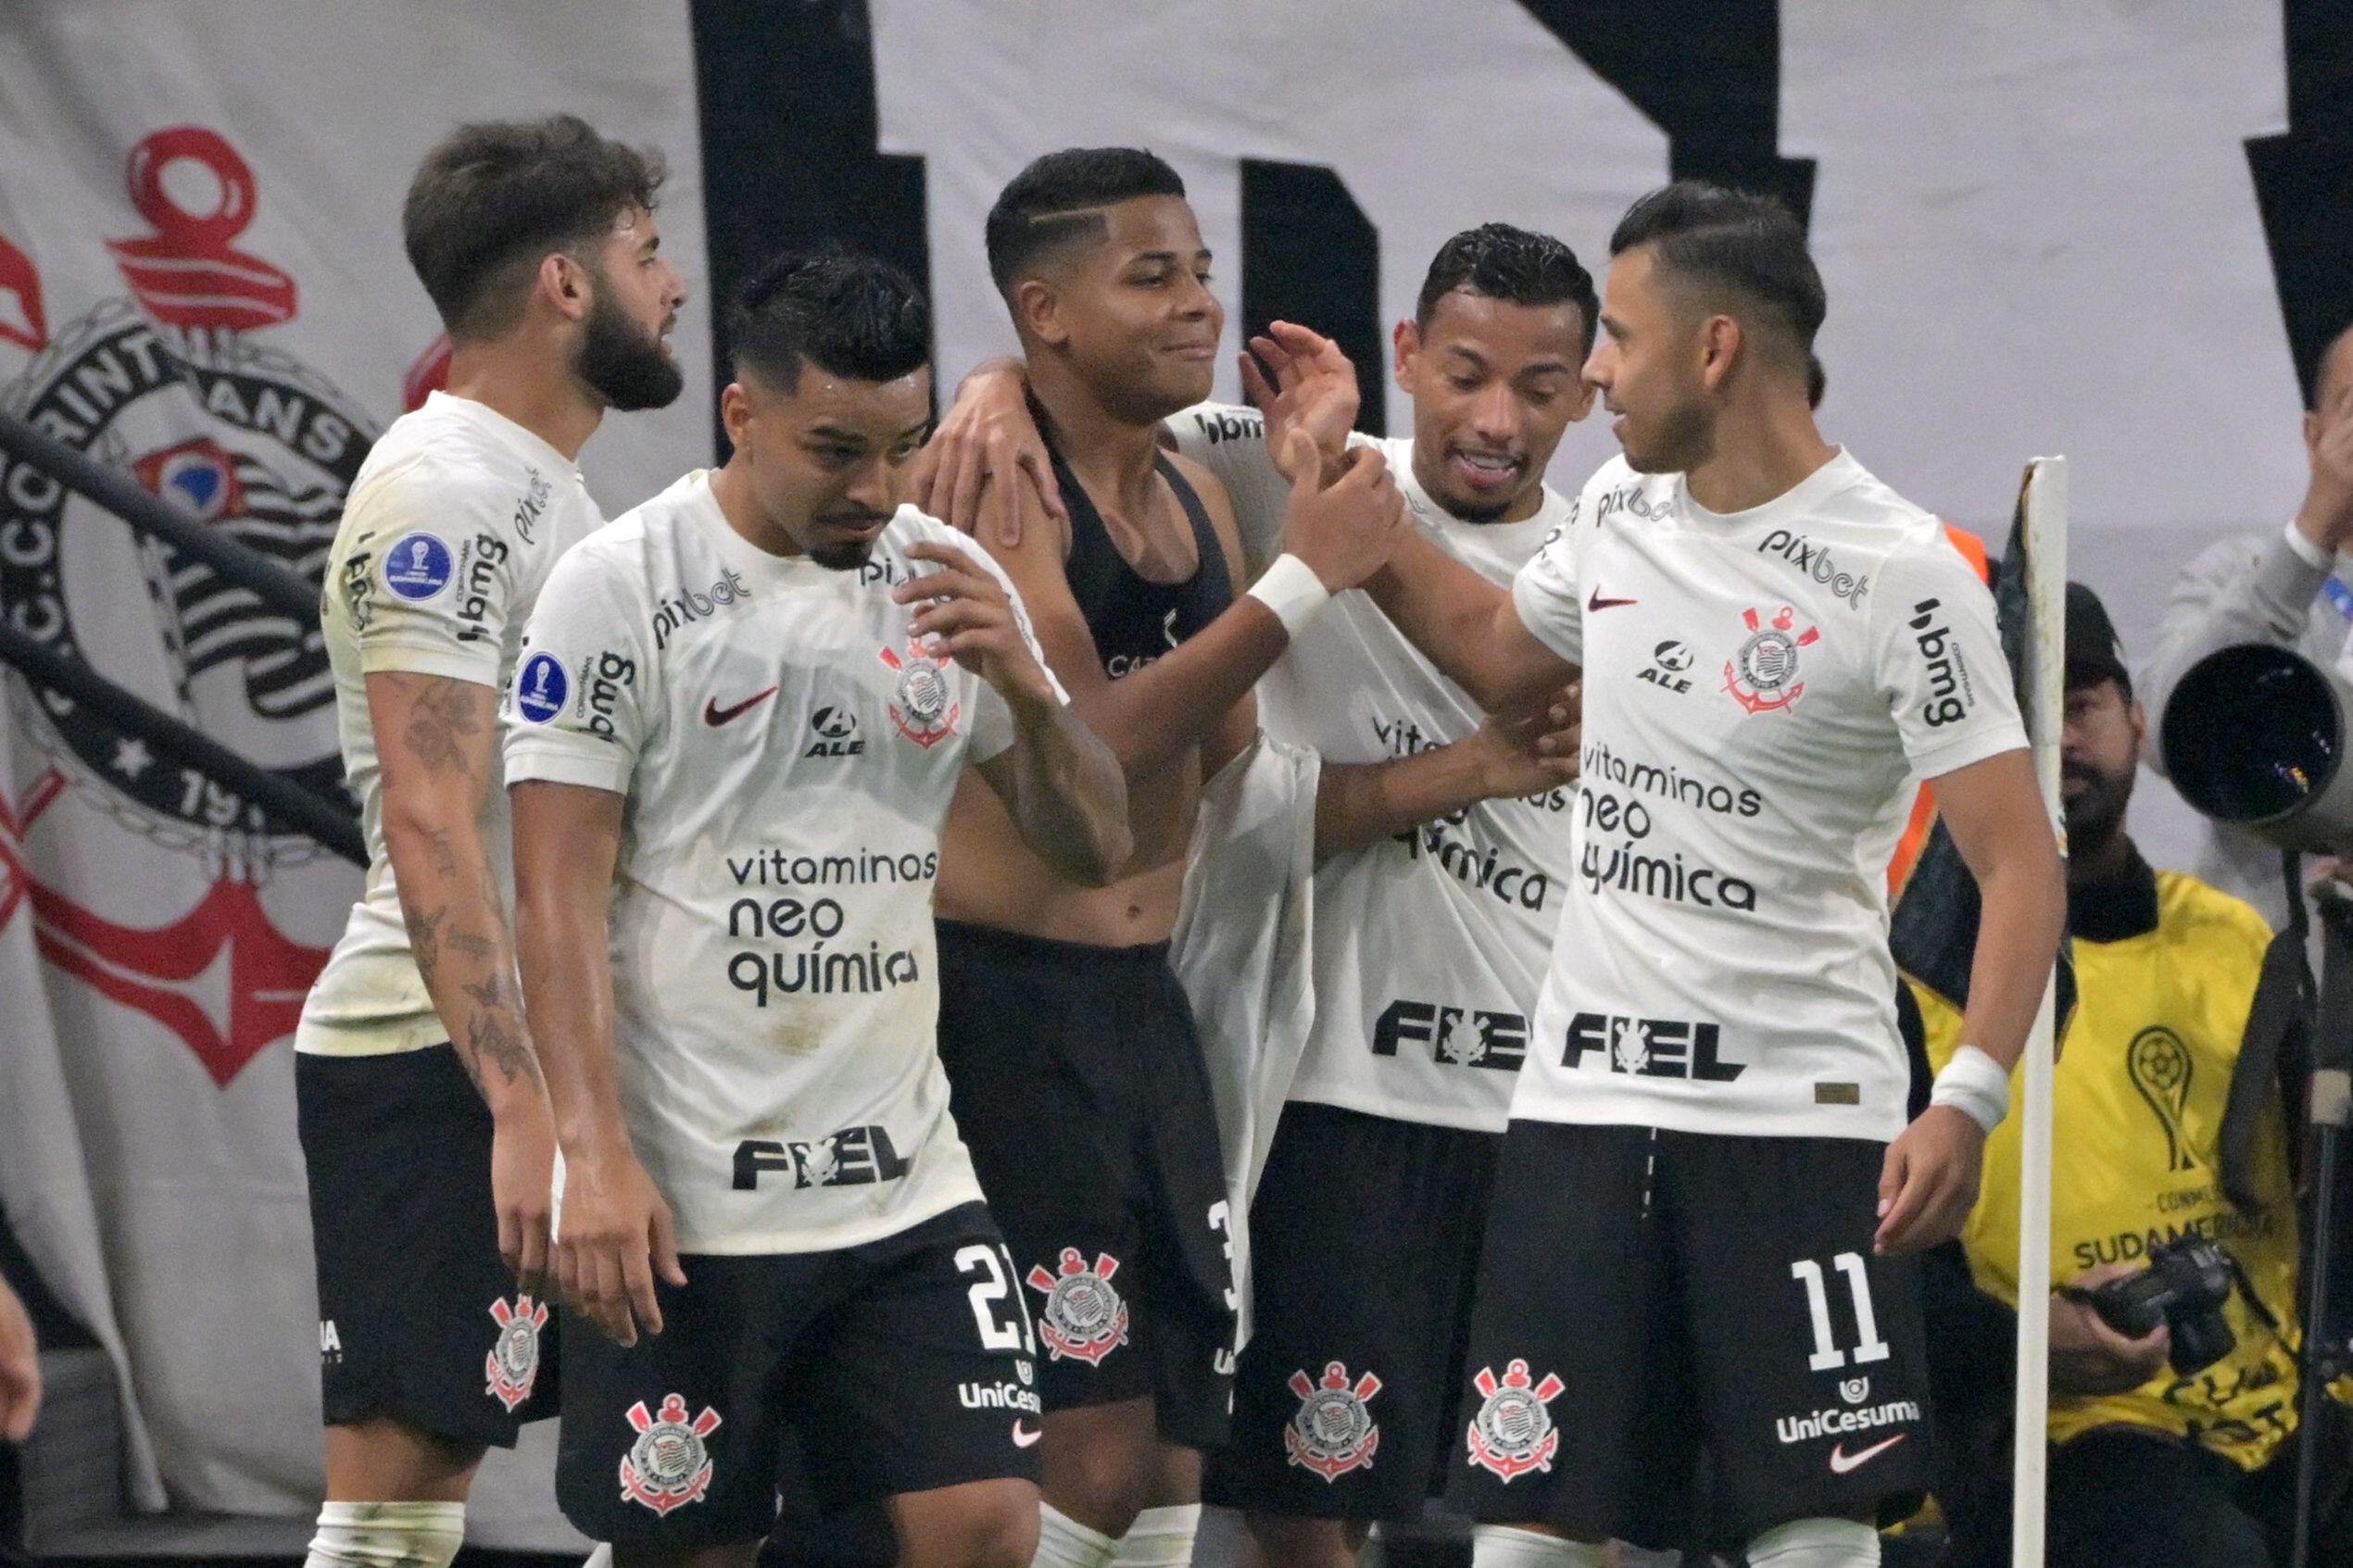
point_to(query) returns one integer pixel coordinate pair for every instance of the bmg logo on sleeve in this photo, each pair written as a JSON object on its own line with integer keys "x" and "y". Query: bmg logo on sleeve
{"x": 541, "y": 688}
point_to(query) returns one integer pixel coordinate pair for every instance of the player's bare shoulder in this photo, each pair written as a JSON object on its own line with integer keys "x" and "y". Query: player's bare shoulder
{"x": 1216, "y": 503}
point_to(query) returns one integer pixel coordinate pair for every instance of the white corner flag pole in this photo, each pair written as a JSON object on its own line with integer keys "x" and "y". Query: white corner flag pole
{"x": 2046, "y": 535}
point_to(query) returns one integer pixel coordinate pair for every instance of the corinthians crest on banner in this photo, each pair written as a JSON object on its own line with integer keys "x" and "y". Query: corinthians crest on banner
{"x": 183, "y": 379}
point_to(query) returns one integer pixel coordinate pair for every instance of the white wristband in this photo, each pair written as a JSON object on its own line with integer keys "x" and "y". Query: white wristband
{"x": 2303, "y": 549}
{"x": 1974, "y": 1085}
{"x": 1289, "y": 587}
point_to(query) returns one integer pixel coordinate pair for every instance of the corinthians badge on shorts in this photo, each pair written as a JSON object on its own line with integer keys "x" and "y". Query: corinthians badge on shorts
{"x": 1085, "y": 1318}
{"x": 1332, "y": 1433}
{"x": 1512, "y": 1433}
{"x": 921, "y": 706}
{"x": 513, "y": 1365}
{"x": 667, "y": 1467}
{"x": 1763, "y": 676}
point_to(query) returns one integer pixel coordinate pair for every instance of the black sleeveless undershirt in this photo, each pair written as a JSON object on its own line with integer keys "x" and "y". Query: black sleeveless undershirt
{"x": 1135, "y": 620}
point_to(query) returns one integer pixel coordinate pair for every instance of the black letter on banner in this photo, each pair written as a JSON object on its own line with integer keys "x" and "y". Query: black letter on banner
{"x": 785, "y": 94}
{"x": 2304, "y": 184}
{"x": 1310, "y": 256}
{"x": 1708, "y": 72}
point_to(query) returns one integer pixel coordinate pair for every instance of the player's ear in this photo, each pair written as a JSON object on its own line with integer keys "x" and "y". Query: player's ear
{"x": 1722, "y": 344}
{"x": 734, "y": 413}
{"x": 1038, "y": 311}
{"x": 1407, "y": 341}
{"x": 564, "y": 284}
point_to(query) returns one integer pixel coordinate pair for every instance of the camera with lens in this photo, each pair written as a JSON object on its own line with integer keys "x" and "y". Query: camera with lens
{"x": 2184, "y": 1287}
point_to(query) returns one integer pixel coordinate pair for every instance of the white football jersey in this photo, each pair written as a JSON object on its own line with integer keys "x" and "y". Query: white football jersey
{"x": 1429, "y": 946}
{"x": 1761, "y": 691}
{"x": 452, "y": 526}
{"x": 787, "y": 754}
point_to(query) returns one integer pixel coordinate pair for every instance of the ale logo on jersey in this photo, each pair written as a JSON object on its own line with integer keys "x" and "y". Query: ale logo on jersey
{"x": 1763, "y": 676}
{"x": 1085, "y": 1318}
{"x": 921, "y": 705}
{"x": 1669, "y": 659}
{"x": 1332, "y": 1433}
{"x": 668, "y": 1466}
{"x": 836, "y": 729}
{"x": 541, "y": 688}
{"x": 513, "y": 1365}
{"x": 1512, "y": 1431}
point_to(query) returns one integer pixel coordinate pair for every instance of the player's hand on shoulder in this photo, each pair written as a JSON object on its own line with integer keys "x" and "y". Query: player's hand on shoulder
{"x": 1345, "y": 530}
{"x": 2089, "y": 1357}
{"x": 1306, "y": 384}
{"x": 985, "y": 435}
{"x": 1929, "y": 1181}
{"x": 1532, "y": 749}
{"x": 617, "y": 1234}
{"x": 967, "y": 615}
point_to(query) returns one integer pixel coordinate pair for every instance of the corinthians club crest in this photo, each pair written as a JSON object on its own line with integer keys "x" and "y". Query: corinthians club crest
{"x": 170, "y": 382}
{"x": 513, "y": 1365}
{"x": 1763, "y": 676}
{"x": 1085, "y": 1318}
{"x": 1332, "y": 1433}
{"x": 1512, "y": 1431}
{"x": 668, "y": 1466}
{"x": 922, "y": 706}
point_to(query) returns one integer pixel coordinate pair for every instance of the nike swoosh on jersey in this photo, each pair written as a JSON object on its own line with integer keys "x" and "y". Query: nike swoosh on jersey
{"x": 1842, "y": 1461}
{"x": 1023, "y": 1440}
{"x": 714, "y": 715}
{"x": 1596, "y": 602}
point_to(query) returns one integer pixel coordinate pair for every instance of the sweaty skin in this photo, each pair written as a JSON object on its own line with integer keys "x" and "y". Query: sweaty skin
{"x": 990, "y": 877}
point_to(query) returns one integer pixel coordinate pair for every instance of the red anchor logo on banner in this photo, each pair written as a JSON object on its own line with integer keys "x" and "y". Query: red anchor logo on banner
{"x": 221, "y": 977}
{"x": 20, "y": 282}
{"x": 187, "y": 273}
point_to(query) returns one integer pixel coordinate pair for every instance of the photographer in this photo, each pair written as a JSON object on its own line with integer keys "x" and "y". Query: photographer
{"x": 2283, "y": 589}
{"x": 2148, "y": 1464}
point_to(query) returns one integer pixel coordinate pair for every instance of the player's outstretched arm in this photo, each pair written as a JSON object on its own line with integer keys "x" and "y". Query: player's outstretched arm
{"x": 436, "y": 737}
{"x": 1468, "y": 626}
{"x": 1062, "y": 786}
{"x": 1995, "y": 811}
{"x": 617, "y": 1230}
{"x": 1521, "y": 754}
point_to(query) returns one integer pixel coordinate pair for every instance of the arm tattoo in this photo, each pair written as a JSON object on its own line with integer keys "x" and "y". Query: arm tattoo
{"x": 444, "y": 854}
{"x": 441, "y": 721}
{"x": 495, "y": 1037}
{"x": 424, "y": 939}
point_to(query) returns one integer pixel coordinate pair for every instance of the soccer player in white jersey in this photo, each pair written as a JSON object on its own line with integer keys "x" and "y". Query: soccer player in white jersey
{"x": 1431, "y": 925}
{"x": 741, "y": 714}
{"x": 426, "y": 1125}
{"x": 1708, "y": 1180}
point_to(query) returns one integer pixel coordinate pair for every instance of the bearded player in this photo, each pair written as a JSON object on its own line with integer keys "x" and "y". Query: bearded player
{"x": 1707, "y": 1185}
{"x": 425, "y": 1122}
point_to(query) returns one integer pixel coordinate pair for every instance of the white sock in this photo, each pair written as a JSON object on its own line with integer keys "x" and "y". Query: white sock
{"x": 1063, "y": 1542}
{"x": 602, "y": 1556}
{"x": 1815, "y": 1543}
{"x": 1500, "y": 1546}
{"x": 387, "y": 1534}
{"x": 1161, "y": 1538}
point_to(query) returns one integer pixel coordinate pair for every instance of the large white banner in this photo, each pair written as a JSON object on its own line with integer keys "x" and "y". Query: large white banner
{"x": 2036, "y": 222}
{"x": 2036, "y": 219}
{"x": 201, "y": 279}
